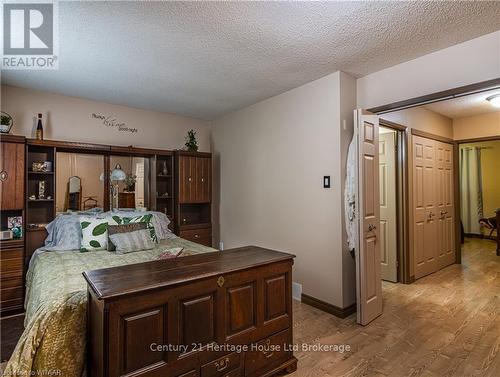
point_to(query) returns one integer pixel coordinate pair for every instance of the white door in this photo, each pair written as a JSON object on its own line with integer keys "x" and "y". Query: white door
{"x": 368, "y": 279}
{"x": 388, "y": 224}
{"x": 424, "y": 240}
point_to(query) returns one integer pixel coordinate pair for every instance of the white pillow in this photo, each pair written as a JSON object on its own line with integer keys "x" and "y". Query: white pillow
{"x": 94, "y": 233}
{"x": 136, "y": 240}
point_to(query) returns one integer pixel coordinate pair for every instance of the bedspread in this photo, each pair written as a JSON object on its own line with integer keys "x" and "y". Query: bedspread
{"x": 54, "y": 340}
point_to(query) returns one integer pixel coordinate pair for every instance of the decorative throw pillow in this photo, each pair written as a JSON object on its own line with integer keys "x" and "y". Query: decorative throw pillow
{"x": 132, "y": 241}
{"x": 94, "y": 233}
{"x": 139, "y": 219}
{"x": 124, "y": 228}
{"x": 171, "y": 253}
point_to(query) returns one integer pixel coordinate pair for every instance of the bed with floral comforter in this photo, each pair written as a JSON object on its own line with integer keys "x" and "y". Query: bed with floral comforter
{"x": 54, "y": 339}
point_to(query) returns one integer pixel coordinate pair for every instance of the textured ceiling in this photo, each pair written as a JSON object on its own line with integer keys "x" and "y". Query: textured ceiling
{"x": 204, "y": 59}
{"x": 473, "y": 104}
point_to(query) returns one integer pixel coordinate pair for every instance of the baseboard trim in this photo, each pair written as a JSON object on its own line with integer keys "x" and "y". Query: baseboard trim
{"x": 329, "y": 308}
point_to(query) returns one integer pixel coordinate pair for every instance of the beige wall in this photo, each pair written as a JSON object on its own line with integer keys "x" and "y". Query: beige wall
{"x": 467, "y": 63}
{"x": 422, "y": 119}
{"x": 70, "y": 119}
{"x": 483, "y": 125}
{"x": 490, "y": 157}
{"x": 270, "y": 161}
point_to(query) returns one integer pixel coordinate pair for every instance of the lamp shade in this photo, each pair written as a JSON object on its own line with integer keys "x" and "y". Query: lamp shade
{"x": 117, "y": 174}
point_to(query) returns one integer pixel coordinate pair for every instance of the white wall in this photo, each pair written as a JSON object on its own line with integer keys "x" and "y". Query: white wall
{"x": 482, "y": 125}
{"x": 70, "y": 119}
{"x": 271, "y": 158}
{"x": 467, "y": 63}
{"x": 347, "y": 106}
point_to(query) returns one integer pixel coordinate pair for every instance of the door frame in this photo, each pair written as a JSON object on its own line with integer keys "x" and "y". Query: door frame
{"x": 437, "y": 97}
{"x": 402, "y": 204}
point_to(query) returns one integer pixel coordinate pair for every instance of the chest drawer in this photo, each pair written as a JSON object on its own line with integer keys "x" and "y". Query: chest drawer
{"x": 11, "y": 267}
{"x": 11, "y": 293}
{"x": 202, "y": 236}
{"x": 11, "y": 253}
{"x": 192, "y": 373}
{"x": 222, "y": 366}
{"x": 12, "y": 282}
{"x": 268, "y": 352}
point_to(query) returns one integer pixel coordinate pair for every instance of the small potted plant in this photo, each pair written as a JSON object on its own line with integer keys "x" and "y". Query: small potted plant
{"x": 191, "y": 143}
{"x": 6, "y": 122}
{"x": 129, "y": 181}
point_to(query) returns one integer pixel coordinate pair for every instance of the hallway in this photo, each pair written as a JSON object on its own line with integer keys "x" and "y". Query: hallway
{"x": 445, "y": 324}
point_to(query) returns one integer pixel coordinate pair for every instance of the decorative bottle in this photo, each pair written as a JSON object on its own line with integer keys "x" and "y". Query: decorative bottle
{"x": 39, "y": 128}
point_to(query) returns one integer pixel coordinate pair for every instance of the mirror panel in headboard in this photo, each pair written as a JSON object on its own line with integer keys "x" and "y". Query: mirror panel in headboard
{"x": 89, "y": 169}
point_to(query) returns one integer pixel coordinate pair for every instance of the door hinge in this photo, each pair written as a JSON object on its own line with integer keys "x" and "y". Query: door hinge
{"x": 397, "y": 263}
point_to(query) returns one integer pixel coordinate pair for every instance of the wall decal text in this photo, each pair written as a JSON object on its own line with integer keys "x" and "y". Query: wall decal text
{"x": 110, "y": 121}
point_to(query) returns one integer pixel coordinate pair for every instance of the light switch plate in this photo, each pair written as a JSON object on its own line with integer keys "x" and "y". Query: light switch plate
{"x": 326, "y": 181}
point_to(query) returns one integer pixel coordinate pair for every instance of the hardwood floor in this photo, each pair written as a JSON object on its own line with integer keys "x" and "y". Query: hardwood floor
{"x": 446, "y": 324}
{"x": 11, "y": 329}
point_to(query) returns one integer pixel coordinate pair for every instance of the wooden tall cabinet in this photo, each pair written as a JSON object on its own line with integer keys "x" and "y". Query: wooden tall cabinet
{"x": 12, "y": 163}
{"x": 193, "y": 196}
{"x": 433, "y": 205}
{"x": 12, "y": 172}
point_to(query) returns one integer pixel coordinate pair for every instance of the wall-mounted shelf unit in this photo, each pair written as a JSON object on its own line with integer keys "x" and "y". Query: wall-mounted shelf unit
{"x": 163, "y": 189}
{"x": 193, "y": 193}
{"x": 41, "y": 210}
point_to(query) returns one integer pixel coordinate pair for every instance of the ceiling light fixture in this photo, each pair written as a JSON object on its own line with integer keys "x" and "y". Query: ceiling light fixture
{"x": 494, "y": 100}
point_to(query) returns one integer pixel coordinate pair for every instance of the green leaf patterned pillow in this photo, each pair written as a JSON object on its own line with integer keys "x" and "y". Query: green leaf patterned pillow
{"x": 141, "y": 219}
{"x": 94, "y": 234}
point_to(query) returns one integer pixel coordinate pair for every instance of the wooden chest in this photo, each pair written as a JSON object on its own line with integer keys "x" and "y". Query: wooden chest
{"x": 216, "y": 314}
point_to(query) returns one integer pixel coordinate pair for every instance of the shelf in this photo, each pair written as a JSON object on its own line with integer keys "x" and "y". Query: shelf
{"x": 164, "y": 197}
{"x": 40, "y": 172}
{"x": 12, "y": 242}
{"x": 38, "y": 229}
{"x": 40, "y": 200}
{"x": 163, "y": 176}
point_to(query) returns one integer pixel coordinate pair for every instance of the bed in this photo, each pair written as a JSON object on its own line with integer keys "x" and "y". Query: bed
{"x": 54, "y": 339}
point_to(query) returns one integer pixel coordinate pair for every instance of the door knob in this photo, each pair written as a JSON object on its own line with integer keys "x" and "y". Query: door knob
{"x": 3, "y": 176}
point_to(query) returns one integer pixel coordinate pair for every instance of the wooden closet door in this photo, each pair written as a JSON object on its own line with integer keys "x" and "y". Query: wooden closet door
{"x": 185, "y": 179}
{"x": 12, "y": 176}
{"x": 423, "y": 206}
{"x": 191, "y": 186}
{"x": 205, "y": 181}
{"x": 199, "y": 179}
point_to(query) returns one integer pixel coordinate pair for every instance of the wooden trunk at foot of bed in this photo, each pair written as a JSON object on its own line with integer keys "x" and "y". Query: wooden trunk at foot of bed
{"x": 216, "y": 314}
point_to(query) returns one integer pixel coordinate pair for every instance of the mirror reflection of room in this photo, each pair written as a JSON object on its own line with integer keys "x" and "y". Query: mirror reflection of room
{"x": 479, "y": 187}
{"x": 77, "y": 180}
{"x": 129, "y": 182}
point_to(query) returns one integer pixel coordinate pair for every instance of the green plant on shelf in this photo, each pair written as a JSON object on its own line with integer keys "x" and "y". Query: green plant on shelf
{"x": 191, "y": 143}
